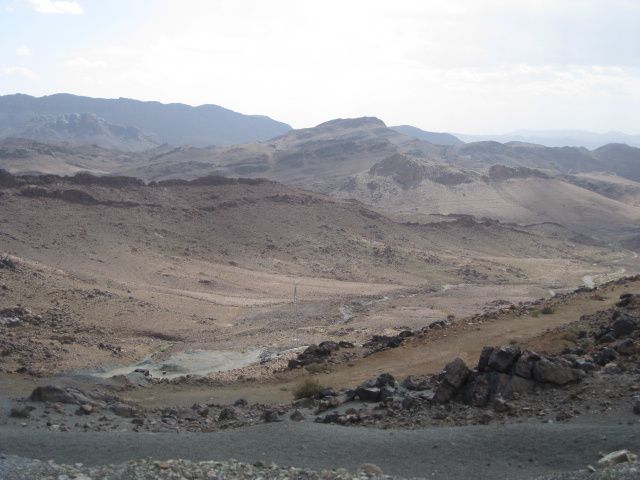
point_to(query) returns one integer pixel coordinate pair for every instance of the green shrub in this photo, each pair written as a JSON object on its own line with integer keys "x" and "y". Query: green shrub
{"x": 307, "y": 389}
{"x": 547, "y": 310}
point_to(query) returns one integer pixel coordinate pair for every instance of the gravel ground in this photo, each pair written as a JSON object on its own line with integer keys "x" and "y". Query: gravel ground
{"x": 456, "y": 453}
{"x": 620, "y": 472}
{"x": 17, "y": 468}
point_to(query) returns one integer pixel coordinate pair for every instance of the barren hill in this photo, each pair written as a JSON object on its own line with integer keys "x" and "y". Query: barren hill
{"x": 215, "y": 261}
{"x": 175, "y": 123}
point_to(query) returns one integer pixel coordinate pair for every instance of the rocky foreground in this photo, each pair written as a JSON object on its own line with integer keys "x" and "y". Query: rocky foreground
{"x": 619, "y": 465}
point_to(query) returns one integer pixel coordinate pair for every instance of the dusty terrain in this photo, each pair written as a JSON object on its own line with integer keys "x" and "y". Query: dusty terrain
{"x": 212, "y": 288}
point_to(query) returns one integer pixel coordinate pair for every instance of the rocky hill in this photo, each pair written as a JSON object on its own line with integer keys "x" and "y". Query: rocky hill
{"x": 46, "y": 118}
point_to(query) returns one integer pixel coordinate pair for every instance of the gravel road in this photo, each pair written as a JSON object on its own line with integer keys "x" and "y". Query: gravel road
{"x": 497, "y": 452}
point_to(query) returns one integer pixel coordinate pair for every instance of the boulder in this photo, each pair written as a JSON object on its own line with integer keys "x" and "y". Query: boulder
{"x": 368, "y": 394}
{"x": 619, "y": 456}
{"x": 627, "y": 346}
{"x": 524, "y": 365}
{"x": 228, "y": 413}
{"x": 502, "y": 359}
{"x": 557, "y": 371}
{"x": 478, "y": 390}
{"x": 384, "y": 380}
{"x": 624, "y": 325}
{"x": 52, "y": 393}
{"x": 483, "y": 361}
{"x": 605, "y": 355}
{"x": 456, "y": 373}
{"x": 271, "y": 416}
{"x": 415, "y": 383}
{"x": 296, "y": 416}
{"x": 124, "y": 410}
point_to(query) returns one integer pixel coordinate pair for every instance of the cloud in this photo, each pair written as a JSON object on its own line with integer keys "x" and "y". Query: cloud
{"x": 23, "y": 51}
{"x": 17, "y": 71}
{"x": 56, "y": 6}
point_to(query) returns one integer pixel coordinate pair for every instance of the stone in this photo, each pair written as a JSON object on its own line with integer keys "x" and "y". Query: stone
{"x": 524, "y": 365}
{"x": 624, "y": 325}
{"x": 605, "y": 355}
{"x": 627, "y": 346}
{"x": 368, "y": 394}
{"x": 444, "y": 393}
{"x": 483, "y": 361}
{"x": 271, "y": 416}
{"x": 370, "y": 470}
{"x": 296, "y": 416}
{"x": 85, "y": 409}
{"x": 387, "y": 393}
{"x": 384, "y": 380}
{"x": 556, "y": 371}
{"x": 478, "y": 390}
{"x": 503, "y": 358}
{"x": 228, "y": 413}
{"x": 619, "y": 456}
{"x": 21, "y": 412}
{"x": 241, "y": 402}
{"x": 415, "y": 383}
{"x": 123, "y": 410}
{"x": 456, "y": 373}
{"x": 51, "y": 393}
{"x": 636, "y": 405}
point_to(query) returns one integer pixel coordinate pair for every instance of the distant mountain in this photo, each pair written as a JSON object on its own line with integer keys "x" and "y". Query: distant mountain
{"x": 557, "y": 138}
{"x": 432, "y": 137}
{"x": 83, "y": 129}
{"x": 44, "y": 119}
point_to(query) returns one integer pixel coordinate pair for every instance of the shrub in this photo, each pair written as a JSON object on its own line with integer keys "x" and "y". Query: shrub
{"x": 547, "y": 310}
{"x": 307, "y": 389}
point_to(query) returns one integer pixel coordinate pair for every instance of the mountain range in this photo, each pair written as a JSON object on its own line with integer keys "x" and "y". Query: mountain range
{"x": 127, "y": 124}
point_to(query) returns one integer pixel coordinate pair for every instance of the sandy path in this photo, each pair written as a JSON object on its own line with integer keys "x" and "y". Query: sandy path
{"x": 419, "y": 357}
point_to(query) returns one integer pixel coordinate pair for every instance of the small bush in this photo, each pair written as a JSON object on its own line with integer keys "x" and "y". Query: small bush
{"x": 547, "y": 310}
{"x": 307, "y": 389}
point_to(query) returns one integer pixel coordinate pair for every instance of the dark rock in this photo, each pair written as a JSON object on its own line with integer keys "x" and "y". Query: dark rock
{"x": 387, "y": 393}
{"x": 415, "y": 383}
{"x": 228, "y": 413}
{"x": 483, "y": 361}
{"x": 297, "y": 416}
{"x": 605, "y": 355}
{"x": 124, "y": 410}
{"x": 241, "y": 402}
{"x": 456, "y": 373}
{"x": 52, "y": 393}
{"x": 327, "y": 392}
{"x": 627, "y": 346}
{"x": 557, "y": 371}
{"x": 271, "y": 416}
{"x": 503, "y": 358}
{"x": 478, "y": 390}
{"x": 21, "y": 412}
{"x": 384, "y": 380}
{"x": 138, "y": 421}
{"x": 368, "y": 394}
{"x": 636, "y": 405}
{"x": 624, "y": 325}
{"x": 444, "y": 393}
{"x": 524, "y": 365}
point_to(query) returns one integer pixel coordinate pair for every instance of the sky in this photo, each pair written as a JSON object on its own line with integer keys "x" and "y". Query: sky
{"x": 468, "y": 66}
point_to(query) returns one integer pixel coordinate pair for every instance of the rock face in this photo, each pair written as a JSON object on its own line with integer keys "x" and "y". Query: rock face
{"x": 52, "y": 393}
{"x": 556, "y": 371}
{"x": 501, "y": 373}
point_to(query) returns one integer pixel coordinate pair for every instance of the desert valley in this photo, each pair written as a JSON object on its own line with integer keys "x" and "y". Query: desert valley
{"x": 308, "y": 296}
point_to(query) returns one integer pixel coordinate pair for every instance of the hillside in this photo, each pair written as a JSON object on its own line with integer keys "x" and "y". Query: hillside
{"x": 215, "y": 262}
{"x": 432, "y": 137}
{"x": 175, "y": 124}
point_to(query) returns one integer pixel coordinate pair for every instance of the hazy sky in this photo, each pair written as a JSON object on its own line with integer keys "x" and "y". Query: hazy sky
{"x": 474, "y": 66}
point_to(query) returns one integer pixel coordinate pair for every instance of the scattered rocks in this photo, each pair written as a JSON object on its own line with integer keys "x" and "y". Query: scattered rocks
{"x": 619, "y": 456}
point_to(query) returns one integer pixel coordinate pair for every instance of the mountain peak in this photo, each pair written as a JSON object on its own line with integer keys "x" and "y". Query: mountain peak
{"x": 351, "y": 123}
